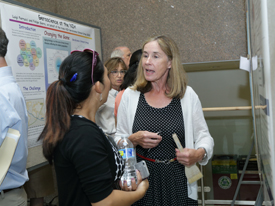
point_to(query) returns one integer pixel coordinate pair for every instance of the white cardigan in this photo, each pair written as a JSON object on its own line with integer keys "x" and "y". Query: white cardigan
{"x": 196, "y": 130}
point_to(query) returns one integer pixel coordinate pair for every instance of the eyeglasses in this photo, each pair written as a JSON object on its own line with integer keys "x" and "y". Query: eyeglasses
{"x": 121, "y": 72}
{"x": 95, "y": 55}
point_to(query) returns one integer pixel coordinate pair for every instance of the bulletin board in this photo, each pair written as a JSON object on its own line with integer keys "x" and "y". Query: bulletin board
{"x": 38, "y": 42}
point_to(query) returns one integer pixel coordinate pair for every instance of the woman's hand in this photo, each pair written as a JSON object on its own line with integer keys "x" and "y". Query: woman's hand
{"x": 118, "y": 197}
{"x": 145, "y": 139}
{"x": 189, "y": 157}
{"x": 143, "y": 185}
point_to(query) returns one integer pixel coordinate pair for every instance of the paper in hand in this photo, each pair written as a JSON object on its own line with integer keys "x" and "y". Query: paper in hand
{"x": 192, "y": 173}
{"x": 7, "y": 150}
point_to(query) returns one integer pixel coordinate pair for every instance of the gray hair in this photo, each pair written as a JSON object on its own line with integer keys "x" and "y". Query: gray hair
{"x": 117, "y": 53}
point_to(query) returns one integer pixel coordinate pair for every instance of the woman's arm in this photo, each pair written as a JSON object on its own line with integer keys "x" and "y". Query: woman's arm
{"x": 198, "y": 139}
{"x": 202, "y": 137}
{"x": 123, "y": 198}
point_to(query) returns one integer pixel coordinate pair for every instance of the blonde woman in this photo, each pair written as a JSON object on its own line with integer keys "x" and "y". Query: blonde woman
{"x": 158, "y": 105}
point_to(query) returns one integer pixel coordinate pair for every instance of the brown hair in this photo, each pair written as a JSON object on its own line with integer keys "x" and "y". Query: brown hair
{"x": 177, "y": 79}
{"x": 113, "y": 63}
{"x": 59, "y": 106}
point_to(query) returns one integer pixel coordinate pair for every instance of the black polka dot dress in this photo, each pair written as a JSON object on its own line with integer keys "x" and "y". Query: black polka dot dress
{"x": 168, "y": 183}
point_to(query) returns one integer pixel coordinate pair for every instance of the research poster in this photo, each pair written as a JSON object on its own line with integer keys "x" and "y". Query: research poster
{"x": 38, "y": 43}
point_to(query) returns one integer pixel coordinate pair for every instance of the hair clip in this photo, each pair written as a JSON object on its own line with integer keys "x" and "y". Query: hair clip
{"x": 73, "y": 78}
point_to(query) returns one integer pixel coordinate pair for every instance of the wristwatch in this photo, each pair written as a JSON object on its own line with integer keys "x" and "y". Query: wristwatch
{"x": 205, "y": 154}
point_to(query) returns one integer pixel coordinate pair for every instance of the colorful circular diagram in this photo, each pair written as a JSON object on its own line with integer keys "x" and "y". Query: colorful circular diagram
{"x": 55, "y": 58}
{"x": 58, "y": 62}
{"x": 29, "y": 54}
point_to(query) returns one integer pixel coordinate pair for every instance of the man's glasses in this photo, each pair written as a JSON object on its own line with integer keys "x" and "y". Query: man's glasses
{"x": 95, "y": 55}
{"x": 121, "y": 72}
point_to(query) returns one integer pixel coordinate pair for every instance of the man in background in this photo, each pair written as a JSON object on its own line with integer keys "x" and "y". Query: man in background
{"x": 124, "y": 53}
{"x": 13, "y": 115}
{"x": 117, "y": 53}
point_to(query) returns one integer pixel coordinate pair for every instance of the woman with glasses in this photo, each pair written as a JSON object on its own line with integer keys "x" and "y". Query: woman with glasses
{"x": 105, "y": 115}
{"x": 87, "y": 164}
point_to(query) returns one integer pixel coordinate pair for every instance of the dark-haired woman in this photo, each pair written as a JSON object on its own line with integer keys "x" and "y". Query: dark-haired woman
{"x": 87, "y": 164}
{"x": 129, "y": 78}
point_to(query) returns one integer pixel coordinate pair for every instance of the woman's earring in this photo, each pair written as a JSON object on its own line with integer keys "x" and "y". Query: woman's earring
{"x": 100, "y": 97}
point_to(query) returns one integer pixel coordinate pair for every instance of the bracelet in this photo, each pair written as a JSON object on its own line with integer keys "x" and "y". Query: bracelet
{"x": 205, "y": 154}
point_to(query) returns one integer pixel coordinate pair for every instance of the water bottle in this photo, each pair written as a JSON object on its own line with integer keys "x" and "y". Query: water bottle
{"x": 127, "y": 151}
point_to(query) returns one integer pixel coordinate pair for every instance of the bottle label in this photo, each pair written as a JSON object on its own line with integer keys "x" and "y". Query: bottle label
{"x": 127, "y": 153}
